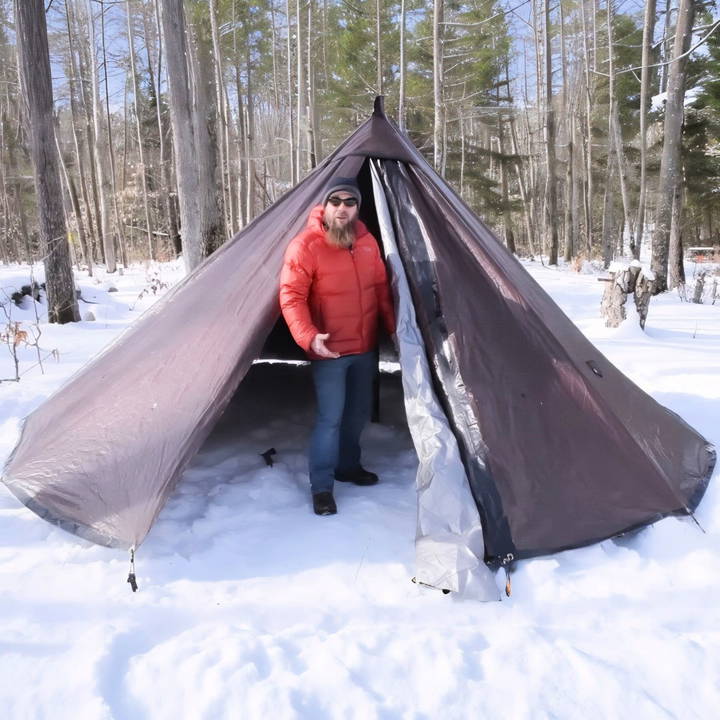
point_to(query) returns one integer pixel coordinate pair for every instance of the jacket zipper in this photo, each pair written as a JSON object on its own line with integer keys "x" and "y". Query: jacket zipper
{"x": 359, "y": 291}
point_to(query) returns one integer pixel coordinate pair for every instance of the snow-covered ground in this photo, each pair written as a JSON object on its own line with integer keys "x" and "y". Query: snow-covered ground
{"x": 251, "y": 606}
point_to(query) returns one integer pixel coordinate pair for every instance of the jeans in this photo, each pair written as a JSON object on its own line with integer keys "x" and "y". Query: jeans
{"x": 344, "y": 391}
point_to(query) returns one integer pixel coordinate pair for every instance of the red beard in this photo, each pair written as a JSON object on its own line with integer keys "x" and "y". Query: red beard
{"x": 342, "y": 236}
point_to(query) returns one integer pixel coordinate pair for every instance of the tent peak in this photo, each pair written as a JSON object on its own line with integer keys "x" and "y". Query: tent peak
{"x": 379, "y": 108}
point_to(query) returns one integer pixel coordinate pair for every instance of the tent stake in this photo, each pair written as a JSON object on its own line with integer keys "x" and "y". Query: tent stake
{"x": 131, "y": 576}
{"x": 444, "y": 591}
{"x": 692, "y": 515}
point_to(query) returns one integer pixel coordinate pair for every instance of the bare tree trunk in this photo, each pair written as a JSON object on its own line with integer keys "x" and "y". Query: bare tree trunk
{"x": 438, "y": 149}
{"x": 532, "y": 174}
{"x": 204, "y": 117}
{"x": 85, "y": 61}
{"x": 670, "y": 162}
{"x": 608, "y": 218}
{"x": 34, "y": 66}
{"x": 251, "y": 168}
{"x": 378, "y": 47}
{"x": 567, "y": 219}
{"x": 588, "y": 136}
{"x": 222, "y": 127}
{"x": 75, "y": 203}
{"x": 461, "y": 120}
{"x": 401, "y": 99}
{"x": 141, "y": 151}
{"x": 17, "y": 200}
{"x": 648, "y": 33}
{"x": 82, "y": 236}
{"x": 119, "y": 233}
{"x": 123, "y": 164}
{"x": 323, "y": 46}
{"x": 521, "y": 186}
{"x": 100, "y": 152}
{"x": 567, "y": 116}
{"x": 9, "y": 252}
{"x": 176, "y": 52}
{"x": 291, "y": 121}
{"x": 614, "y": 133}
{"x": 276, "y": 82}
{"x": 74, "y": 120}
{"x": 551, "y": 193}
{"x": 508, "y": 234}
{"x": 666, "y": 45}
{"x": 706, "y": 229}
{"x": 232, "y": 227}
{"x": 507, "y": 217}
{"x": 242, "y": 150}
{"x": 311, "y": 129}
{"x": 300, "y": 89}
{"x": 577, "y": 191}
{"x": 165, "y": 163}
{"x": 676, "y": 269}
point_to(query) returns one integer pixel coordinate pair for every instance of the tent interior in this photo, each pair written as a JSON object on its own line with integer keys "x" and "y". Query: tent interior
{"x": 234, "y": 518}
{"x": 279, "y": 387}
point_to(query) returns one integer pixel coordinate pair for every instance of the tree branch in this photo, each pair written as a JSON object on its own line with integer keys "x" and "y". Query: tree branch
{"x": 487, "y": 20}
{"x": 700, "y": 42}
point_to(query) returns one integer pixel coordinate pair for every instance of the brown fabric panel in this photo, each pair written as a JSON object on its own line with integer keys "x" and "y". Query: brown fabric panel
{"x": 101, "y": 456}
{"x": 575, "y": 456}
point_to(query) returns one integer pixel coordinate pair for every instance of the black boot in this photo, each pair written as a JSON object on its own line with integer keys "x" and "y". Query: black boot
{"x": 324, "y": 503}
{"x": 361, "y": 476}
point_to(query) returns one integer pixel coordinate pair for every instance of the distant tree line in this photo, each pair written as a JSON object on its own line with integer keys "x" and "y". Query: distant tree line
{"x": 174, "y": 123}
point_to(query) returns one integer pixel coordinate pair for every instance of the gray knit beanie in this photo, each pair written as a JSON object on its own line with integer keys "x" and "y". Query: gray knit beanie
{"x": 346, "y": 184}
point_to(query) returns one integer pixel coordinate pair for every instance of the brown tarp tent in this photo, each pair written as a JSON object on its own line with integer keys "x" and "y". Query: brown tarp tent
{"x": 557, "y": 448}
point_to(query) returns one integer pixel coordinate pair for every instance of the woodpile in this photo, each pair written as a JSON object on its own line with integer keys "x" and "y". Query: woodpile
{"x": 622, "y": 282}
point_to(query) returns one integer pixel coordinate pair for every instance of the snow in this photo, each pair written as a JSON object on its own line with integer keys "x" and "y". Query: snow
{"x": 657, "y": 102}
{"x": 250, "y": 606}
{"x": 616, "y": 266}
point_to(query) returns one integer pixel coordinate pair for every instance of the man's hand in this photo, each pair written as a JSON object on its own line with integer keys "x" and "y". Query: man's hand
{"x": 318, "y": 346}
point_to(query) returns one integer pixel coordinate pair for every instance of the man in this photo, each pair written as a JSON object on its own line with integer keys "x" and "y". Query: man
{"x": 333, "y": 289}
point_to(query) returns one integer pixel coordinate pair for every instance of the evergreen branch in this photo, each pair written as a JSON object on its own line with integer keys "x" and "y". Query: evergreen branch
{"x": 487, "y": 20}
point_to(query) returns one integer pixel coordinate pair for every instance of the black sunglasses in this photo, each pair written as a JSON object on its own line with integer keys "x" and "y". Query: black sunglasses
{"x": 348, "y": 202}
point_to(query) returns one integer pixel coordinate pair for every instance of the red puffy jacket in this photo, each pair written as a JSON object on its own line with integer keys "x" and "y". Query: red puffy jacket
{"x": 327, "y": 289}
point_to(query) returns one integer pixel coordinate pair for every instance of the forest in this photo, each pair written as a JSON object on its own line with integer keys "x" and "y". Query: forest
{"x": 135, "y": 130}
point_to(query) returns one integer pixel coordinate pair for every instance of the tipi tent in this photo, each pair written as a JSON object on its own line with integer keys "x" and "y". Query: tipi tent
{"x": 529, "y": 440}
